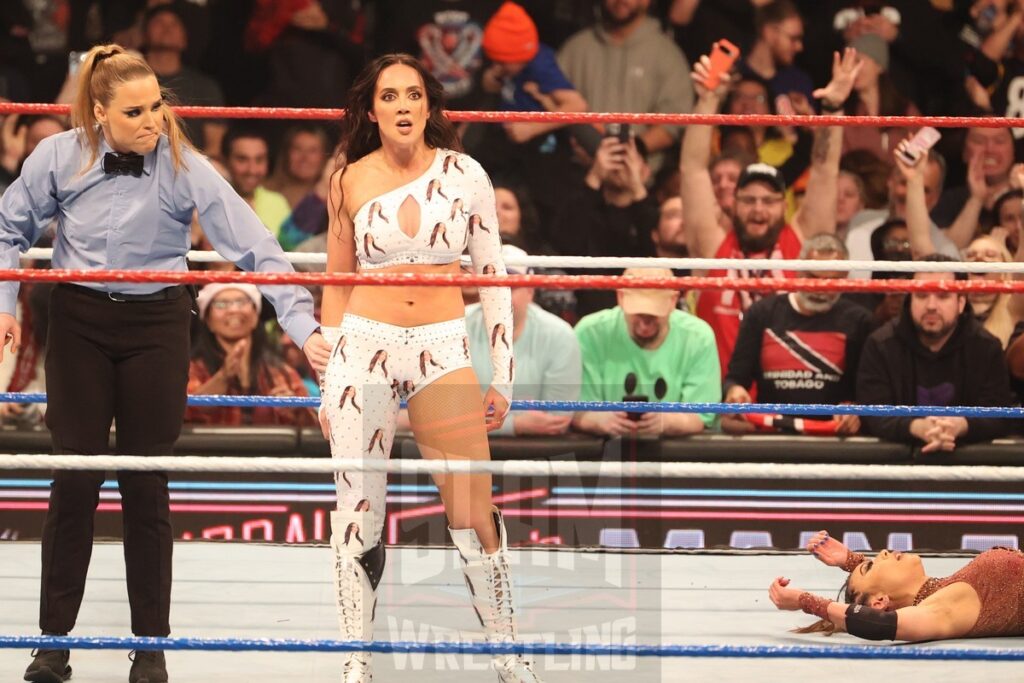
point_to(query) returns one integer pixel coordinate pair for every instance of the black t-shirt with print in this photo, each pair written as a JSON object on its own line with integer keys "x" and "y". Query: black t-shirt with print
{"x": 796, "y": 358}
{"x": 446, "y": 35}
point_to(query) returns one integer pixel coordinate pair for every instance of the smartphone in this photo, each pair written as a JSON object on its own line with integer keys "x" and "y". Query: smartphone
{"x": 75, "y": 61}
{"x": 617, "y": 130}
{"x": 632, "y": 398}
{"x": 922, "y": 141}
{"x": 723, "y": 55}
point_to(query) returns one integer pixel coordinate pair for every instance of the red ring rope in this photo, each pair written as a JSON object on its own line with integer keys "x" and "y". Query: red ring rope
{"x": 584, "y": 117}
{"x": 541, "y": 281}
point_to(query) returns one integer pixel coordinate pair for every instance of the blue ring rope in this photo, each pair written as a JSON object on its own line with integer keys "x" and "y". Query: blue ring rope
{"x": 817, "y": 409}
{"x": 743, "y": 651}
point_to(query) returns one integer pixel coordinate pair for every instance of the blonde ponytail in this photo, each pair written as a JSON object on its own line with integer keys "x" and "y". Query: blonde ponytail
{"x": 104, "y": 69}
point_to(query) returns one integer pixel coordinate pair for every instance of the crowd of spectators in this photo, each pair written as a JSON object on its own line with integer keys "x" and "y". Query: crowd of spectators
{"x": 735, "y": 191}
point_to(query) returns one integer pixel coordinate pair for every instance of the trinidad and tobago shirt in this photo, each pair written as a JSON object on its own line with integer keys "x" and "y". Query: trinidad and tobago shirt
{"x": 797, "y": 358}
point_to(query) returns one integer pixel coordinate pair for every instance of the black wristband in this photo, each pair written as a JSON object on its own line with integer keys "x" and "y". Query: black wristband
{"x": 869, "y": 623}
{"x": 829, "y": 108}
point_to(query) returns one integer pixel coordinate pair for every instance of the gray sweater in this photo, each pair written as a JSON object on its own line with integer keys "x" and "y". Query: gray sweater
{"x": 645, "y": 73}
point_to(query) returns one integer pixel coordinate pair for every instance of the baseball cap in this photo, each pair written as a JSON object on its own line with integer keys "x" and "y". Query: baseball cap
{"x": 656, "y": 302}
{"x": 761, "y": 173}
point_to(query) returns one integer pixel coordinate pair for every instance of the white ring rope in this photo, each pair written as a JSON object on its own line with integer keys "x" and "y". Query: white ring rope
{"x": 523, "y": 468}
{"x": 618, "y": 262}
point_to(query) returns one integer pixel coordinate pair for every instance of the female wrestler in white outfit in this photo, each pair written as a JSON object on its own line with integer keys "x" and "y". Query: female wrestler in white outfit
{"x": 407, "y": 201}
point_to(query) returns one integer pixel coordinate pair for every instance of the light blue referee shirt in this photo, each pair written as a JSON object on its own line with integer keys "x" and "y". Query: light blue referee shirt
{"x": 107, "y": 221}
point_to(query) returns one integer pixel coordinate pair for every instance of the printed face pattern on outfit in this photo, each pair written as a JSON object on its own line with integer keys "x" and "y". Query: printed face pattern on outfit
{"x": 368, "y": 244}
{"x": 457, "y": 210}
{"x": 445, "y": 195}
{"x": 382, "y": 357}
{"x": 476, "y": 222}
{"x": 498, "y": 333}
{"x": 434, "y": 187}
{"x": 457, "y": 213}
{"x": 449, "y": 161}
{"x": 439, "y": 229}
{"x": 386, "y": 363}
{"x": 427, "y": 359}
{"x": 339, "y": 349}
{"x": 352, "y": 531}
{"x": 383, "y": 365}
{"x": 350, "y": 392}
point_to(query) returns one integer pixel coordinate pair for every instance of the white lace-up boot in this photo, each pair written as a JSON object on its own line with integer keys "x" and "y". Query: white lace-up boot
{"x": 357, "y": 571}
{"x": 490, "y": 590}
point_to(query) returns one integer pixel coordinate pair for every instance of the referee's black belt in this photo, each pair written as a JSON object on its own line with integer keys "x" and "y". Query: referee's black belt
{"x": 166, "y": 294}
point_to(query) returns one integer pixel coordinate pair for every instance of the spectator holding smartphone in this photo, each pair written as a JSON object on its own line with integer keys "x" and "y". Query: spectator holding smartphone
{"x": 610, "y": 213}
{"x": 759, "y": 226}
{"x": 626, "y": 63}
{"x": 646, "y": 348}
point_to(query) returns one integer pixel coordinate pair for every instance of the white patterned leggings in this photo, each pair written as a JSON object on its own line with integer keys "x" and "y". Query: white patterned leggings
{"x": 373, "y": 367}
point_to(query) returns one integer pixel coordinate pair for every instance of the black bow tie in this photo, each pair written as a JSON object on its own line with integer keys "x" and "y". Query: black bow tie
{"x": 123, "y": 164}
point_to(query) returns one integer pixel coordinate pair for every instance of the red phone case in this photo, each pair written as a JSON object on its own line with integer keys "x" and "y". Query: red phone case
{"x": 723, "y": 55}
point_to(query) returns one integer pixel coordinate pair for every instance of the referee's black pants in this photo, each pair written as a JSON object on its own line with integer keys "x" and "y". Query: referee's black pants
{"x": 128, "y": 362}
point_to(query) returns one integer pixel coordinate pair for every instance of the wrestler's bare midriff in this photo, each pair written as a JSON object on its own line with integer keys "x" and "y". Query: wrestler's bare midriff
{"x": 408, "y": 306}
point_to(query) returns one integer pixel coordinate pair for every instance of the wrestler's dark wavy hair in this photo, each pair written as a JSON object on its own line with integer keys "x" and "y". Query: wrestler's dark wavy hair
{"x": 360, "y": 136}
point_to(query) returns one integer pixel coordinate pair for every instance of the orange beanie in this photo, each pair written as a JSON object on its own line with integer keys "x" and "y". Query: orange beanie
{"x": 511, "y": 35}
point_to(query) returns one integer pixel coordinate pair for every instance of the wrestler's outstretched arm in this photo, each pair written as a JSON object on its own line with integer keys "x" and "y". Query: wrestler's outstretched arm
{"x": 485, "y": 250}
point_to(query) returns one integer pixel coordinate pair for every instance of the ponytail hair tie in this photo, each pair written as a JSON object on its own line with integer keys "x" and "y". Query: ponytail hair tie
{"x": 99, "y": 58}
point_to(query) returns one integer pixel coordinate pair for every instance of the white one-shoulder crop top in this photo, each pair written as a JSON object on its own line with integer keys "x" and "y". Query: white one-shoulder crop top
{"x": 457, "y": 214}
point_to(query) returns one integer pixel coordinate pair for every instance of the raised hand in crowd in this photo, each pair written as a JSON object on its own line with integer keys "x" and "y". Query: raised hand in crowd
{"x": 700, "y": 74}
{"x": 918, "y": 220}
{"x": 977, "y": 185}
{"x": 632, "y": 172}
{"x": 845, "y": 68}
{"x": 617, "y": 161}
